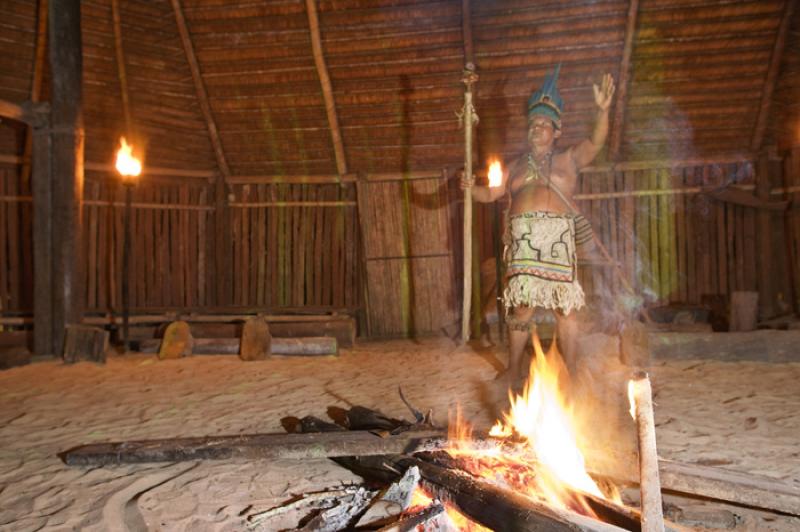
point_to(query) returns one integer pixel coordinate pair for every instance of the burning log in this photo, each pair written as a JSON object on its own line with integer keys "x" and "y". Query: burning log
{"x": 490, "y": 505}
{"x": 253, "y": 446}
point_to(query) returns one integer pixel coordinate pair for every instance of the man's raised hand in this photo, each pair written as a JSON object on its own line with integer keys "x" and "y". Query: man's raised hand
{"x": 604, "y": 94}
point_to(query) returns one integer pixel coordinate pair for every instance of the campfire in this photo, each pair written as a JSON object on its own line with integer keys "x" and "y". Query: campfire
{"x": 535, "y": 449}
{"x": 530, "y": 465}
{"x": 527, "y": 473}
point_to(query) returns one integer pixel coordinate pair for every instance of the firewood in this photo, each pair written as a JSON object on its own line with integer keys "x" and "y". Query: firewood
{"x": 308, "y": 502}
{"x": 272, "y": 446}
{"x": 431, "y": 518}
{"x": 363, "y": 418}
{"x": 490, "y": 505}
{"x": 393, "y": 501}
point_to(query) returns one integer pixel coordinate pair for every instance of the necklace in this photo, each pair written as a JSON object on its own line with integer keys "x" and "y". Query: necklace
{"x": 539, "y": 167}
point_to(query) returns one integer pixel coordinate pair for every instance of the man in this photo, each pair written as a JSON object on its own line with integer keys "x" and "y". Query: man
{"x": 541, "y": 264}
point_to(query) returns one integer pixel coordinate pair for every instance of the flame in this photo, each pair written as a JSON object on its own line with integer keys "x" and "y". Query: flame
{"x": 536, "y": 447}
{"x": 421, "y": 499}
{"x": 495, "y": 173}
{"x": 127, "y": 165}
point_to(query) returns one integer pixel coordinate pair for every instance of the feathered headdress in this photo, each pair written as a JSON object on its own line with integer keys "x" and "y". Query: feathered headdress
{"x": 547, "y": 101}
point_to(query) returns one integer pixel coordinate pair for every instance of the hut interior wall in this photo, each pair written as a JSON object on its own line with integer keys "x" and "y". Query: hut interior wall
{"x": 409, "y": 256}
{"x": 299, "y": 245}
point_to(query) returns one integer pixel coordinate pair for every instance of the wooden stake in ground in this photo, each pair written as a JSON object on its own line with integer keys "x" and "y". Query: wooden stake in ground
{"x": 641, "y": 398}
{"x": 468, "y": 117}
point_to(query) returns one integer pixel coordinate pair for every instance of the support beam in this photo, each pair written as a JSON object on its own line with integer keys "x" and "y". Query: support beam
{"x": 618, "y": 126}
{"x": 200, "y": 89}
{"x": 121, "y": 74}
{"x": 772, "y": 75}
{"x": 67, "y": 137}
{"x": 222, "y": 234}
{"x": 29, "y": 113}
{"x": 325, "y": 81}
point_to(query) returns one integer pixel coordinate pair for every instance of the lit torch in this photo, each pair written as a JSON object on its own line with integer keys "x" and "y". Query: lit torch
{"x": 129, "y": 168}
{"x": 495, "y": 173}
{"x": 127, "y": 165}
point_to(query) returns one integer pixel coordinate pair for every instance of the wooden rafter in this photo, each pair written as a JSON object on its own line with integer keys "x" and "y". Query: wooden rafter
{"x": 772, "y": 75}
{"x": 325, "y": 81}
{"x": 123, "y": 78}
{"x": 617, "y": 128}
{"x": 200, "y": 88}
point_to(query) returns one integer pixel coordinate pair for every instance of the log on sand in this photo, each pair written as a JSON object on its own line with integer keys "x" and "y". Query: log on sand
{"x": 251, "y": 446}
{"x": 314, "y": 346}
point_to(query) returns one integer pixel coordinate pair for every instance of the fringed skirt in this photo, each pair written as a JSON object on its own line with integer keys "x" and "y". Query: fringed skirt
{"x": 541, "y": 266}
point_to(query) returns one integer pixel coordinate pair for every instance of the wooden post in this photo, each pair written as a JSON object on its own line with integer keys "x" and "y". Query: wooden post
{"x": 43, "y": 287}
{"x": 641, "y": 399}
{"x": 469, "y": 118}
{"x": 67, "y": 134}
{"x": 126, "y": 258}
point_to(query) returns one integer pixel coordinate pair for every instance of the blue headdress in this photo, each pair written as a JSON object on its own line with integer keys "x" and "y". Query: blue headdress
{"x": 547, "y": 101}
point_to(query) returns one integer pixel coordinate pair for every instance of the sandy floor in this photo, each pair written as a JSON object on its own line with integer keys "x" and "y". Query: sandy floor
{"x": 740, "y": 415}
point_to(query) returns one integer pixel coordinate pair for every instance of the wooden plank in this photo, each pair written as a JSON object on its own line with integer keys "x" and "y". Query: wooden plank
{"x": 319, "y": 220}
{"x": 202, "y": 239}
{"x": 176, "y": 250}
{"x": 272, "y": 295}
{"x": 12, "y": 235}
{"x": 92, "y": 214}
{"x": 722, "y": 240}
{"x": 628, "y": 229}
{"x": 102, "y": 252}
{"x": 763, "y": 251}
{"x": 243, "y": 240}
{"x": 261, "y": 237}
{"x": 655, "y": 226}
{"x": 730, "y": 262}
{"x": 5, "y": 176}
{"x": 190, "y": 257}
{"x": 692, "y": 280}
{"x": 681, "y": 290}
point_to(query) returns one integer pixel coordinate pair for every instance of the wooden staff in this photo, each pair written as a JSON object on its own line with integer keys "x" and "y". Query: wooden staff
{"x": 649, "y": 483}
{"x": 467, "y": 118}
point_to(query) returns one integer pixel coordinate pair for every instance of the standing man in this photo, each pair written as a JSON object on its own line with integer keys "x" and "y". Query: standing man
{"x": 541, "y": 232}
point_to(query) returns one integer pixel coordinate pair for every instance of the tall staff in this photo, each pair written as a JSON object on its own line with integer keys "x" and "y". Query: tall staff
{"x": 467, "y": 118}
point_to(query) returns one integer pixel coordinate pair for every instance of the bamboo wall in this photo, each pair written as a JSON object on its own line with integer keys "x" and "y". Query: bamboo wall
{"x": 290, "y": 246}
{"x": 300, "y": 245}
{"x": 673, "y": 243}
{"x": 16, "y": 251}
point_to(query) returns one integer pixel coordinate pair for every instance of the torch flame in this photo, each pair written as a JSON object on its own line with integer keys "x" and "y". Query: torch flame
{"x": 127, "y": 164}
{"x": 495, "y": 173}
{"x": 536, "y": 452}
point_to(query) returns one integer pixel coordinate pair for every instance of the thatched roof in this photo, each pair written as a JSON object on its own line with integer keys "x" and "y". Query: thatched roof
{"x": 698, "y": 71}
